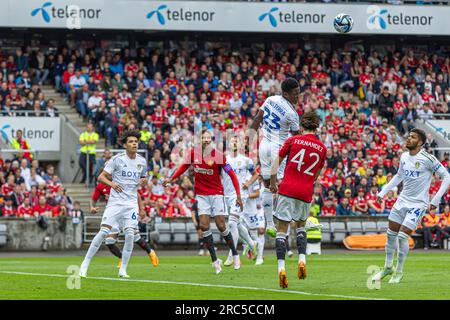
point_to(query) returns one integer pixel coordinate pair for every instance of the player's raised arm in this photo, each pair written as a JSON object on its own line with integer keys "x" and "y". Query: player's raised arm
{"x": 94, "y": 198}
{"x": 182, "y": 169}
{"x": 438, "y": 168}
{"x": 256, "y": 123}
{"x": 395, "y": 181}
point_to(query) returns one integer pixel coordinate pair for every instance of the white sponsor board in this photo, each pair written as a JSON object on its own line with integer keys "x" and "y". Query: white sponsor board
{"x": 42, "y": 134}
{"x": 223, "y": 16}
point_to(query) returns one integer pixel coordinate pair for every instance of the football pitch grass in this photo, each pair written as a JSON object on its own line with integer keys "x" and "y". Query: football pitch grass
{"x": 330, "y": 276}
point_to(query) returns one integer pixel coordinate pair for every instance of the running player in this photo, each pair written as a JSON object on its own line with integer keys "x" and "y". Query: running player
{"x": 243, "y": 167}
{"x": 111, "y": 239}
{"x": 415, "y": 171}
{"x": 208, "y": 163}
{"x": 278, "y": 117}
{"x": 123, "y": 173}
{"x": 305, "y": 158}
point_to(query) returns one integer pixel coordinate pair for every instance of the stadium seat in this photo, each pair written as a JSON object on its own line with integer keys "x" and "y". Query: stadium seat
{"x": 354, "y": 228}
{"x": 3, "y": 235}
{"x": 369, "y": 227}
{"x": 164, "y": 232}
{"x": 191, "y": 233}
{"x": 339, "y": 231}
{"x": 178, "y": 230}
{"x": 382, "y": 226}
{"x": 326, "y": 232}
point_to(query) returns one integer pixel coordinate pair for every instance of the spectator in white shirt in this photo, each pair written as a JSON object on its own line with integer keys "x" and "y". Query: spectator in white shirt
{"x": 34, "y": 179}
{"x": 94, "y": 101}
{"x": 235, "y": 102}
{"x": 76, "y": 82}
{"x": 25, "y": 171}
{"x": 425, "y": 112}
{"x": 266, "y": 82}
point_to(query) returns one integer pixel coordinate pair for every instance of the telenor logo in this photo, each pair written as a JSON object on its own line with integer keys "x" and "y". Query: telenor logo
{"x": 159, "y": 15}
{"x": 380, "y": 19}
{"x": 3, "y": 133}
{"x": 164, "y": 14}
{"x": 44, "y": 13}
{"x": 49, "y": 11}
{"x": 375, "y": 20}
{"x": 272, "y": 19}
{"x": 277, "y": 17}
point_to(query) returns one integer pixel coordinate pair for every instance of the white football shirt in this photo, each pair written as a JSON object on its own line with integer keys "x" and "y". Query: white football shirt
{"x": 243, "y": 167}
{"x": 279, "y": 119}
{"x": 416, "y": 173}
{"x": 126, "y": 172}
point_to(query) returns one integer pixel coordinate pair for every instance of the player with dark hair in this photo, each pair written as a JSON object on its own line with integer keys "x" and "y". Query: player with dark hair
{"x": 208, "y": 163}
{"x": 111, "y": 239}
{"x": 416, "y": 170}
{"x": 305, "y": 156}
{"x": 123, "y": 173}
{"x": 278, "y": 117}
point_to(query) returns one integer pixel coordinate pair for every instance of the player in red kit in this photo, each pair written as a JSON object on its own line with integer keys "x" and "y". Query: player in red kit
{"x": 305, "y": 158}
{"x": 102, "y": 190}
{"x": 208, "y": 163}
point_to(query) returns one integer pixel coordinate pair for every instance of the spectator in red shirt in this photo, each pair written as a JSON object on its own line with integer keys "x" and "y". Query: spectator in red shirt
{"x": 42, "y": 208}
{"x": 329, "y": 209}
{"x": 360, "y": 205}
{"x": 25, "y": 210}
{"x": 389, "y": 201}
{"x": 8, "y": 210}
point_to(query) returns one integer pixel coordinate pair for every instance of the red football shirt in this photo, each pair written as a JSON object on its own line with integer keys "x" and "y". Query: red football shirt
{"x": 22, "y": 210}
{"x": 328, "y": 211}
{"x": 305, "y": 156}
{"x": 207, "y": 172}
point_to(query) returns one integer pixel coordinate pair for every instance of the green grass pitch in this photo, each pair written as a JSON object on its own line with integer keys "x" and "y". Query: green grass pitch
{"x": 330, "y": 276}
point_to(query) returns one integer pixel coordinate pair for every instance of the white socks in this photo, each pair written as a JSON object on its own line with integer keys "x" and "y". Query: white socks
{"x": 261, "y": 241}
{"x": 403, "y": 249}
{"x": 95, "y": 245}
{"x": 244, "y": 234}
{"x": 267, "y": 203}
{"x": 127, "y": 250}
{"x": 391, "y": 246}
{"x": 233, "y": 224}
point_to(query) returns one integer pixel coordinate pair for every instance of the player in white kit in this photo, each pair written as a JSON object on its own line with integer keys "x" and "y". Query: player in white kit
{"x": 254, "y": 219}
{"x": 123, "y": 173}
{"x": 415, "y": 171}
{"x": 279, "y": 118}
{"x": 244, "y": 168}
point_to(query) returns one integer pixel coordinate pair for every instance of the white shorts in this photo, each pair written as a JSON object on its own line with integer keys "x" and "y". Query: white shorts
{"x": 267, "y": 153}
{"x": 408, "y": 217}
{"x": 289, "y": 209}
{"x": 254, "y": 220}
{"x": 121, "y": 217}
{"x": 211, "y": 205}
{"x": 232, "y": 208}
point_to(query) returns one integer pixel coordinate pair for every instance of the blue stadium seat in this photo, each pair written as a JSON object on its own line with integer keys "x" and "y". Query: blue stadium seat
{"x": 192, "y": 233}
{"x": 3, "y": 235}
{"x": 326, "y": 232}
{"x": 382, "y": 226}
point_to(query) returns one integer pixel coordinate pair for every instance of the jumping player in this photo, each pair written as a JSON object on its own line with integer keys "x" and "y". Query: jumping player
{"x": 208, "y": 164}
{"x": 305, "y": 158}
{"x": 278, "y": 117}
{"x": 123, "y": 173}
{"x": 415, "y": 171}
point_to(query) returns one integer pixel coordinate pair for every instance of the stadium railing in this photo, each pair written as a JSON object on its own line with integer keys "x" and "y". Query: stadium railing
{"x": 26, "y": 113}
{"x": 12, "y": 152}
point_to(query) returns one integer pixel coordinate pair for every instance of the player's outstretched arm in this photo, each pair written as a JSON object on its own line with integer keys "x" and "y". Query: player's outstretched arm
{"x": 252, "y": 180}
{"x": 256, "y": 123}
{"x": 395, "y": 181}
{"x": 182, "y": 169}
{"x": 106, "y": 179}
{"x": 141, "y": 207}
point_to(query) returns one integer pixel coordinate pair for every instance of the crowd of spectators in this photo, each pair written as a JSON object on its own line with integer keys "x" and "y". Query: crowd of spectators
{"x": 367, "y": 102}
{"x": 28, "y": 191}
